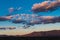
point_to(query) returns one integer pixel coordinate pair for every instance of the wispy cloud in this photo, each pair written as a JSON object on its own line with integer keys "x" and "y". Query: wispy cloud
{"x": 12, "y": 9}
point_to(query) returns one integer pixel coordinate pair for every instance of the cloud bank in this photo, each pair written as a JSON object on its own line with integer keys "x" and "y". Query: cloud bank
{"x": 31, "y": 19}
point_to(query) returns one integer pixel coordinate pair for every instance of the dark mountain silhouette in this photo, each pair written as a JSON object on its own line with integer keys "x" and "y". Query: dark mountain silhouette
{"x": 43, "y": 34}
{"x": 37, "y": 34}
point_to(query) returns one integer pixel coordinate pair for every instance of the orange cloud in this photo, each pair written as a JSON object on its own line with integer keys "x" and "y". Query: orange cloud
{"x": 45, "y": 6}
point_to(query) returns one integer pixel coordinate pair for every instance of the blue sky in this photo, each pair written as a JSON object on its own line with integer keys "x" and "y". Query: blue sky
{"x": 6, "y": 4}
{"x": 25, "y": 5}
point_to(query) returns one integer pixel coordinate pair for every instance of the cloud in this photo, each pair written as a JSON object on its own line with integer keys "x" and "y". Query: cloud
{"x": 12, "y": 9}
{"x": 30, "y": 19}
{"x": 50, "y": 19}
{"x": 5, "y": 28}
{"x": 33, "y": 19}
{"x": 45, "y": 6}
{"x": 19, "y": 8}
{"x": 17, "y": 21}
{"x": 4, "y": 18}
{"x": 57, "y": 0}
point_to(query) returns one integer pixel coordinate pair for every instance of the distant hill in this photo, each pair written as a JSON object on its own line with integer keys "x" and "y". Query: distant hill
{"x": 37, "y": 34}
{"x": 43, "y": 34}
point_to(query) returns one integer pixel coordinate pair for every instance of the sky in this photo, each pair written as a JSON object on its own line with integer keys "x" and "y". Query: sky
{"x": 26, "y": 6}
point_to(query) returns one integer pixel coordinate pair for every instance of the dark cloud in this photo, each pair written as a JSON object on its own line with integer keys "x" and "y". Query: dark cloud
{"x": 5, "y": 28}
{"x": 46, "y": 6}
{"x": 50, "y": 20}
{"x": 30, "y": 19}
{"x": 18, "y": 21}
{"x": 36, "y": 19}
{"x": 5, "y": 18}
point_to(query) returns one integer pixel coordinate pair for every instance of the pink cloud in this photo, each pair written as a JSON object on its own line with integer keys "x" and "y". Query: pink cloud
{"x": 45, "y": 6}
